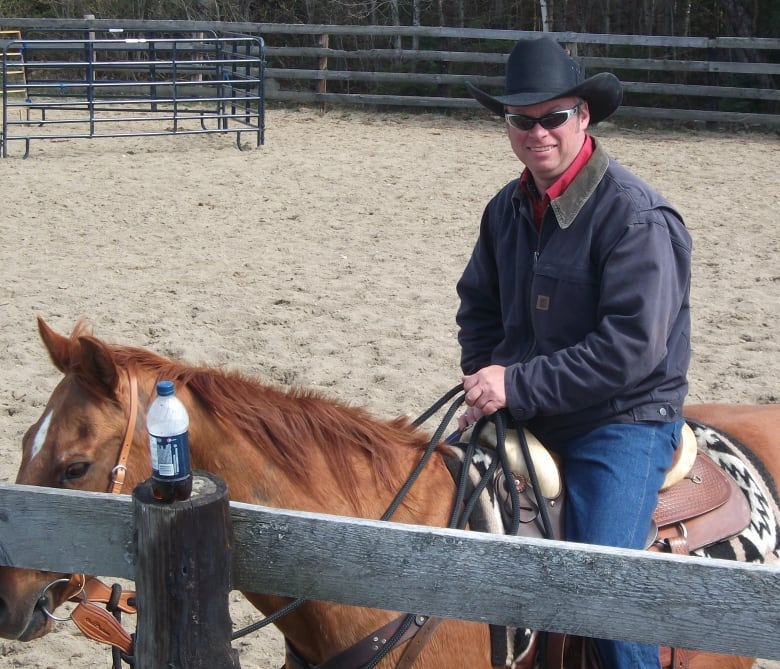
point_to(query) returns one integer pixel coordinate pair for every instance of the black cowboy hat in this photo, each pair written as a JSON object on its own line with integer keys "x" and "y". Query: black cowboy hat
{"x": 539, "y": 69}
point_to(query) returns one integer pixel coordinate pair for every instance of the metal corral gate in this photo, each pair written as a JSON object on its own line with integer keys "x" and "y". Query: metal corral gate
{"x": 129, "y": 86}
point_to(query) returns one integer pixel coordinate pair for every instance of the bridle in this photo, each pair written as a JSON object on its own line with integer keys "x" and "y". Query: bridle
{"x": 119, "y": 472}
{"x": 103, "y": 624}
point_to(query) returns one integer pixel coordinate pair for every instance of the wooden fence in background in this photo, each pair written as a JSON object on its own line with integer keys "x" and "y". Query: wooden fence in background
{"x": 691, "y": 602}
{"x": 692, "y": 79}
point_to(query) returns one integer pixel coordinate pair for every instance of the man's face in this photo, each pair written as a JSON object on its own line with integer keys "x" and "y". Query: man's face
{"x": 547, "y": 153}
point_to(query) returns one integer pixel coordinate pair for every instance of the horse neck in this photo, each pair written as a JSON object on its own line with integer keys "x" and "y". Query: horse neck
{"x": 317, "y": 629}
{"x": 245, "y": 460}
{"x": 308, "y": 453}
{"x": 227, "y": 453}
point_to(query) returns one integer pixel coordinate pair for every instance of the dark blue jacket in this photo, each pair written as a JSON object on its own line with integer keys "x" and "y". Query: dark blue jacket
{"x": 591, "y": 315}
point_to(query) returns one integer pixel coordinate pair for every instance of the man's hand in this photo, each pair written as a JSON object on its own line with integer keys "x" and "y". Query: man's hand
{"x": 485, "y": 393}
{"x": 470, "y": 416}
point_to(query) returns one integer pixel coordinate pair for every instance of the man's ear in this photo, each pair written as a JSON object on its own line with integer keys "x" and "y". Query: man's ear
{"x": 584, "y": 115}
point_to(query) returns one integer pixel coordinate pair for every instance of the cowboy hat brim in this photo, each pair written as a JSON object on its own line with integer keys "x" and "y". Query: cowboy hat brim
{"x": 603, "y": 92}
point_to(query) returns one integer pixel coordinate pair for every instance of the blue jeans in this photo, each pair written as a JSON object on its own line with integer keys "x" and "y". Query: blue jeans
{"x": 612, "y": 479}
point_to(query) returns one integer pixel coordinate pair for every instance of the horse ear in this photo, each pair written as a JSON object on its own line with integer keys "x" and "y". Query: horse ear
{"x": 87, "y": 357}
{"x": 97, "y": 368}
{"x": 60, "y": 348}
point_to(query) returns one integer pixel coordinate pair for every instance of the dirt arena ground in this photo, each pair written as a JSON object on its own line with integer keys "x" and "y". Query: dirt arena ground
{"x": 328, "y": 258}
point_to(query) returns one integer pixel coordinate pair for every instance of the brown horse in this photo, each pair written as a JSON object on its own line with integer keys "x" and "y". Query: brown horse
{"x": 290, "y": 449}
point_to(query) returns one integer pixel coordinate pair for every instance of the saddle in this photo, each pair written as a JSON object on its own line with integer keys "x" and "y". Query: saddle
{"x": 699, "y": 505}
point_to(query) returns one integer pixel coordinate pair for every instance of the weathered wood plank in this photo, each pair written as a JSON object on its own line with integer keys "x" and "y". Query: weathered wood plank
{"x": 697, "y": 115}
{"x": 690, "y": 115}
{"x": 406, "y": 31}
{"x": 714, "y": 605}
{"x": 608, "y": 63}
{"x": 66, "y": 531}
{"x": 695, "y": 603}
{"x": 670, "y": 65}
{"x": 713, "y": 59}
{"x": 629, "y": 86}
{"x": 430, "y": 102}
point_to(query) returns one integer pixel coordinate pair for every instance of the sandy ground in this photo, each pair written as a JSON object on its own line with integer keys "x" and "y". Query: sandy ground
{"x": 328, "y": 258}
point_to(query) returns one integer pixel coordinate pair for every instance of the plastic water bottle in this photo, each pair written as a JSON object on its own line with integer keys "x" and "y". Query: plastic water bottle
{"x": 168, "y": 425}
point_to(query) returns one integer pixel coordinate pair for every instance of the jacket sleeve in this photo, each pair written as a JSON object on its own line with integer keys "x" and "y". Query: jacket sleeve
{"x": 479, "y": 315}
{"x": 643, "y": 307}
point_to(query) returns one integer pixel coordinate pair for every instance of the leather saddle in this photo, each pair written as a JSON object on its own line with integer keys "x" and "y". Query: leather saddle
{"x": 699, "y": 505}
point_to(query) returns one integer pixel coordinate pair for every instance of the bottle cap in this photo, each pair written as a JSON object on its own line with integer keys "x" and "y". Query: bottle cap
{"x": 164, "y": 388}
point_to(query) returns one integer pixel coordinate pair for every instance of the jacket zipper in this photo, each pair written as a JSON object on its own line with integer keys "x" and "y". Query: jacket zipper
{"x": 538, "y": 250}
{"x": 534, "y": 262}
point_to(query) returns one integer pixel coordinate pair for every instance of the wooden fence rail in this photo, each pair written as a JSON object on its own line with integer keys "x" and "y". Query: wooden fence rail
{"x": 721, "y": 79}
{"x": 689, "y": 602}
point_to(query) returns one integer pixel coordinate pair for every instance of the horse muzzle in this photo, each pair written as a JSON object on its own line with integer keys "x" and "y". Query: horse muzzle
{"x": 26, "y": 600}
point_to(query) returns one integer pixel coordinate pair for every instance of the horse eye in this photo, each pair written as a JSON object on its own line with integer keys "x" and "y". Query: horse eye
{"x": 76, "y": 471}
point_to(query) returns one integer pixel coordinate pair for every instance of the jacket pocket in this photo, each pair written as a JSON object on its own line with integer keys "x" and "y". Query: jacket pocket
{"x": 564, "y": 303}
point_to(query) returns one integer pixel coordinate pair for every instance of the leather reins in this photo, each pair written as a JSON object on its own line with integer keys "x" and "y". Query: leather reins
{"x": 414, "y": 630}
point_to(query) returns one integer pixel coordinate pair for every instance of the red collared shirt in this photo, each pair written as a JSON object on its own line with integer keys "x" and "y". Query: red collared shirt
{"x": 541, "y": 202}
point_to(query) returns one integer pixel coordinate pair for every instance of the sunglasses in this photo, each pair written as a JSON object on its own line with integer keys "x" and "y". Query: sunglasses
{"x": 548, "y": 122}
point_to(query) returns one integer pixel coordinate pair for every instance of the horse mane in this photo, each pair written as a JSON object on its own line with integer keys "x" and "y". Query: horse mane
{"x": 288, "y": 423}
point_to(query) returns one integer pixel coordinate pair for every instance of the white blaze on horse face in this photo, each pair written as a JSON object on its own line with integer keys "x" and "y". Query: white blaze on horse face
{"x": 40, "y": 436}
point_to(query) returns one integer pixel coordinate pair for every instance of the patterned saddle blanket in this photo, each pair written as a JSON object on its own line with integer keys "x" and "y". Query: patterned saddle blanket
{"x": 760, "y": 540}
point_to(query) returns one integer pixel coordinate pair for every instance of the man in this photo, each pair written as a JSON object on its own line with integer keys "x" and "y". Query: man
{"x": 574, "y": 307}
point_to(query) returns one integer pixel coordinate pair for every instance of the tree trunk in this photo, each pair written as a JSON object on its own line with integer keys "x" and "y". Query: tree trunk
{"x": 687, "y": 20}
{"x": 415, "y": 22}
{"x": 395, "y": 17}
{"x": 737, "y": 22}
{"x": 543, "y": 13}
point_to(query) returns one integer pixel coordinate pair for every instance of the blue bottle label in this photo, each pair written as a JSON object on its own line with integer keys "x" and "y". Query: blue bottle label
{"x": 170, "y": 456}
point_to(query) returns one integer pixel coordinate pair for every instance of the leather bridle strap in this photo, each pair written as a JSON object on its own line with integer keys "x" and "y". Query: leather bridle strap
{"x": 418, "y": 642}
{"x": 94, "y": 622}
{"x": 99, "y": 625}
{"x": 368, "y": 648}
{"x": 119, "y": 472}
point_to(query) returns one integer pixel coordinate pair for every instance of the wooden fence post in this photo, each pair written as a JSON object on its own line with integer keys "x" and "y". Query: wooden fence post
{"x": 321, "y": 85}
{"x": 183, "y": 578}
